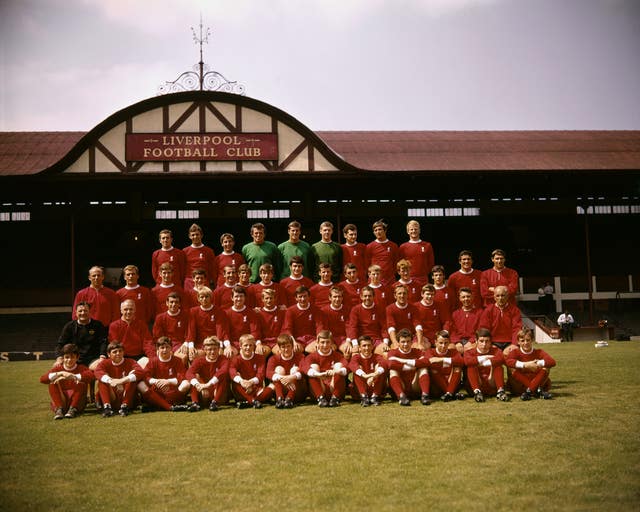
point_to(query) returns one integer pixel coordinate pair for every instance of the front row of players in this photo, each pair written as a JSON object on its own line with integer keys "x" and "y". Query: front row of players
{"x": 289, "y": 377}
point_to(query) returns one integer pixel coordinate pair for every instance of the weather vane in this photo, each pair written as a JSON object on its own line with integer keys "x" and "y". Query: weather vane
{"x": 201, "y": 78}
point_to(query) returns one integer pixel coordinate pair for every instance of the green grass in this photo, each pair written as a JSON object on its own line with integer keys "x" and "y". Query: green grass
{"x": 580, "y": 451}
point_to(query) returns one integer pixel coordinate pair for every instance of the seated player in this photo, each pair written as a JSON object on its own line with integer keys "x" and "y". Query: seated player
{"x": 445, "y": 369}
{"x": 247, "y": 371}
{"x": 272, "y": 319}
{"x": 86, "y": 333}
{"x": 244, "y": 320}
{"x": 165, "y": 386}
{"x": 174, "y": 323}
{"x": 369, "y": 374}
{"x": 368, "y": 318}
{"x": 140, "y": 294}
{"x": 383, "y": 293}
{"x": 530, "y": 368}
{"x": 319, "y": 292}
{"x": 336, "y": 315}
{"x": 403, "y": 267}
{"x": 503, "y": 319}
{"x": 303, "y": 321}
{"x": 209, "y": 377}
{"x": 406, "y": 378}
{"x": 295, "y": 279}
{"x": 484, "y": 368}
{"x": 132, "y": 333}
{"x": 117, "y": 379}
{"x": 283, "y": 369}
{"x": 464, "y": 321}
{"x": 327, "y": 372}
{"x": 68, "y": 382}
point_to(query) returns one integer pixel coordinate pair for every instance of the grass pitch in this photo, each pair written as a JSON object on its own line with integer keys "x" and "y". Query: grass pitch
{"x": 580, "y": 451}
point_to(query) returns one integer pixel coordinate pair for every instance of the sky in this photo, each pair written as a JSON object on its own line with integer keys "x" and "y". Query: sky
{"x": 332, "y": 64}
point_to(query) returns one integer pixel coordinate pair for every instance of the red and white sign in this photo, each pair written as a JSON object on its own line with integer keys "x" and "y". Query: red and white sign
{"x": 190, "y": 147}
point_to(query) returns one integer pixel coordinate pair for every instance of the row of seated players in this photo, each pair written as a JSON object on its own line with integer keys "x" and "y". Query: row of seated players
{"x": 187, "y": 329}
{"x": 151, "y": 302}
{"x": 164, "y": 383}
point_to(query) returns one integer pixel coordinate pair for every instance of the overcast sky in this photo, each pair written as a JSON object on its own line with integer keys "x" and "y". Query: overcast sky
{"x": 332, "y": 64}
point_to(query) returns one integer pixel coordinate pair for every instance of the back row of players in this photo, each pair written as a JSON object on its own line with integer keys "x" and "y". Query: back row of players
{"x": 296, "y": 306}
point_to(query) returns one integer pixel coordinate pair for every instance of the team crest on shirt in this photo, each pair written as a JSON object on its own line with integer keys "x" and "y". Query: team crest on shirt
{"x": 170, "y": 258}
{"x": 170, "y": 371}
{"x": 473, "y": 281}
{"x": 310, "y": 317}
{"x": 422, "y": 248}
{"x": 201, "y": 256}
{"x": 139, "y": 296}
{"x": 373, "y": 317}
{"x": 179, "y": 323}
{"x": 213, "y": 318}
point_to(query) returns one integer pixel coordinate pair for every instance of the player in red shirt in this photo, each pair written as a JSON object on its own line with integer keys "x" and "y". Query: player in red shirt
{"x": 222, "y": 295}
{"x": 418, "y": 252}
{"x": 319, "y": 292}
{"x": 464, "y": 321}
{"x": 103, "y": 301}
{"x": 198, "y": 255}
{"x": 244, "y": 320}
{"x": 117, "y": 377}
{"x": 402, "y": 315}
{"x": 168, "y": 254}
{"x": 207, "y": 320}
{"x": 283, "y": 369}
{"x": 351, "y": 285}
{"x": 503, "y": 319}
{"x": 467, "y": 277}
{"x": 165, "y": 386}
{"x": 140, "y": 294}
{"x": 209, "y": 377}
{"x": 414, "y": 287}
{"x": 174, "y": 324}
{"x": 272, "y": 319}
{"x": 407, "y": 378}
{"x": 266, "y": 281}
{"x": 499, "y": 275}
{"x": 431, "y": 318}
{"x": 444, "y": 296}
{"x": 247, "y": 372}
{"x": 368, "y": 318}
{"x": 382, "y": 252}
{"x": 303, "y": 321}
{"x": 336, "y": 316}
{"x": 133, "y": 334}
{"x": 67, "y": 382}
{"x": 327, "y": 372}
{"x": 295, "y": 279}
{"x": 445, "y": 369}
{"x": 530, "y": 368}
{"x": 197, "y": 282}
{"x": 354, "y": 251}
{"x": 228, "y": 257}
{"x": 484, "y": 368}
{"x": 369, "y": 374}
{"x": 167, "y": 285}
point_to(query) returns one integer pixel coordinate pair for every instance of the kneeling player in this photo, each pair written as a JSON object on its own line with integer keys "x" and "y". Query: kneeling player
{"x": 445, "y": 368}
{"x": 165, "y": 386}
{"x": 369, "y": 373}
{"x": 327, "y": 371}
{"x": 484, "y": 368}
{"x": 283, "y": 369}
{"x": 406, "y": 378}
{"x": 530, "y": 367}
{"x": 209, "y": 377}
{"x": 246, "y": 371}
{"x": 117, "y": 377}
{"x": 68, "y": 383}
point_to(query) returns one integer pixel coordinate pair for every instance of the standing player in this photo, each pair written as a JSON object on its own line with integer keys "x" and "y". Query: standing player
{"x": 140, "y": 294}
{"x": 103, "y": 301}
{"x": 168, "y": 254}
{"x": 327, "y": 251}
{"x": 244, "y": 320}
{"x": 319, "y": 292}
{"x": 294, "y": 246}
{"x": 484, "y": 369}
{"x": 174, "y": 324}
{"x": 353, "y": 251}
{"x": 167, "y": 285}
{"x": 403, "y": 268}
{"x": 499, "y": 275}
{"x": 382, "y": 252}
{"x": 368, "y": 318}
{"x": 67, "y": 382}
{"x": 383, "y": 293}
{"x": 272, "y": 319}
{"x": 444, "y": 296}
{"x": 530, "y": 368}
{"x": 261, "y": 251}
{"x": 351, "y": 285}
{"x": 295, "y": 279}
{"x": 228, "y": 257}
{"x": 402, "y": 315}
{"x": 431, "y": 318}
{"x": 117, "y": 377}
{"x": 198, "y": 255}
{"x": 466, "y": 277}
{"x": 222, "y": 295}
{"x": 336, "y": 315}
{"x": 266, "y": 281}
{"x": 303, "y": 321}
{"x": 418, "y": 252}
{"x": 207, "y": 320}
